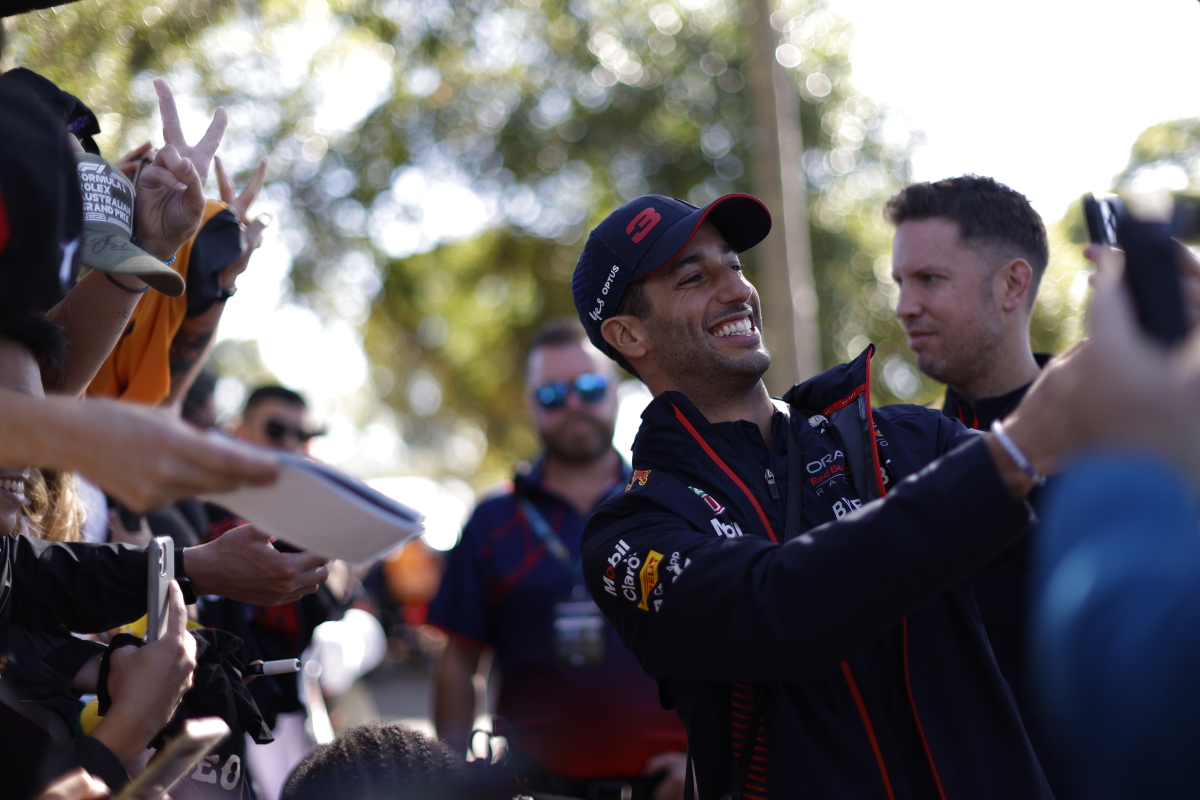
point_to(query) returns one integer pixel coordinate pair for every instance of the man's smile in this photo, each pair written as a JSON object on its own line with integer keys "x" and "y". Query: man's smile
{"x": 736, "y": 328}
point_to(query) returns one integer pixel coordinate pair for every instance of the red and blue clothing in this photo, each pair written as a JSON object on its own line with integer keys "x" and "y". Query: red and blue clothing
{"x": 841, "y": 648}
{"x": 500, "y": 589}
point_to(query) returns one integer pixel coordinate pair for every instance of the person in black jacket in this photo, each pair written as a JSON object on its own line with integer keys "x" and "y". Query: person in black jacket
{"x": 813, "y": 635}
{"x": 968, "y": 256}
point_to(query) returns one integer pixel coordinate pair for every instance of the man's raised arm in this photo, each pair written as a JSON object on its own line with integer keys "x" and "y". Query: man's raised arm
{"x": 748, "y": 610}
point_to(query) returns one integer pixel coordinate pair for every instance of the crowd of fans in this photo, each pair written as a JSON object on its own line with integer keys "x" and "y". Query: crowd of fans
{"x": 806, "y": 596}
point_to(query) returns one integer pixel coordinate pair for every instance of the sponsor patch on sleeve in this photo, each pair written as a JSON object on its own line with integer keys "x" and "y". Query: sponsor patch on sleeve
{"x": 712, "y": 502}
{"x": 648, "y": 577}
{"x": 640, "y": 476}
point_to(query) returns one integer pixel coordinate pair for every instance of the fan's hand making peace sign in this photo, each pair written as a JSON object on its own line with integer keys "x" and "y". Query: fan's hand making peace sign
{"x": 240, "y": 204}
{"x": 170, "y": 193}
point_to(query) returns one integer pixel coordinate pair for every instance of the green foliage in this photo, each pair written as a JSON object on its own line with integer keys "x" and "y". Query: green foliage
{"x": 550, "y": 112}
{"x": 1164, "y": 156}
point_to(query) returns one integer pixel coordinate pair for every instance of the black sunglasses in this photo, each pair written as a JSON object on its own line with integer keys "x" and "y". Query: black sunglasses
{"x": 277, "y": 431}
{"x": 590, "y": 387}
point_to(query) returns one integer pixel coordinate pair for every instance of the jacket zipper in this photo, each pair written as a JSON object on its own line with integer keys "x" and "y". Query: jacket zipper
{"x": 770, "y": 476}
{"x": 771, "y": 483}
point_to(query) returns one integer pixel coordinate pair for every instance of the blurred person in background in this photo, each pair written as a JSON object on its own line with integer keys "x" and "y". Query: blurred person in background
{"x": 968, "y": 256}
{"x": 587, "y": 719}
{"x": 1116, "y": 590}
{"x": 275, "y": 417}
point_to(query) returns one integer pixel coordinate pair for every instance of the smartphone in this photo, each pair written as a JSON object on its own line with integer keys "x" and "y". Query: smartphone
{"x": 198, "y": 738}
{"x": 1101, "y": 216}
{"x": 161, "y": 570}
{"x": 1151, "y": 271}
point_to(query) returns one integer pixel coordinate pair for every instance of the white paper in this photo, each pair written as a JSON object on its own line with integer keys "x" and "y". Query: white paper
{"x": 322, "y": 511}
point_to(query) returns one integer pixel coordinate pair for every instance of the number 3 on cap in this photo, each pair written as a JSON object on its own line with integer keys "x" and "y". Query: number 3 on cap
{"x": 646, "y": 219}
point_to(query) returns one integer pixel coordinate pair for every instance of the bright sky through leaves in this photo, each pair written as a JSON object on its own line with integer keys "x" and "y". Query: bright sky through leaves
{"x": 1045, "y": 95}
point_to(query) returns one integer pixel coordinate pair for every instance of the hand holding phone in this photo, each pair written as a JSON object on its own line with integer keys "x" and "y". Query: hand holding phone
{"x": 161, "y": 573}
{"x": 146, "y": 684}
{"x": 1151, "y": 272}
{"x": 198, "y": 738}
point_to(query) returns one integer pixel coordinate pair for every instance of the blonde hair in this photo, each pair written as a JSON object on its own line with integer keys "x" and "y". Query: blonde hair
{"x": 53, "y": 510}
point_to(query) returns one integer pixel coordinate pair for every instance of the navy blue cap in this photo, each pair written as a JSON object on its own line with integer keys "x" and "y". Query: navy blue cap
{"x": 648, "y": 233}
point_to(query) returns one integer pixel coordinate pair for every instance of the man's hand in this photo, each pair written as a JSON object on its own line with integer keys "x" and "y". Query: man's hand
{"x": 170, "y": 198}
{"x": 242, "y": 565}
{"x": 1135, "y": 393}
{"x": 675, "y": 765}
{"x": 147, "y": 683}
{"x": 142, "y": 456}
{"x": 239, "y": 204}
{"x": 75, "y": 785}
{"x": 146, "y": 458}
{"x": 128, "y": 164}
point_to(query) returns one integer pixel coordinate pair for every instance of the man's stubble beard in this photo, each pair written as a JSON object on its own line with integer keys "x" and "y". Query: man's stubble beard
{"x": 578, "y": 449}
{"x": 964, "y": 360}
{"x": 699, "y": 368}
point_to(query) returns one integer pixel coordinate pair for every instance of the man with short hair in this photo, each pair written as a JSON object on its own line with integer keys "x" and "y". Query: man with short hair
{"x": 791, "y": 571}
{"x": 276, "y": 417}
{"x": 586, "y": 718}
{"x": 968, "y": 255}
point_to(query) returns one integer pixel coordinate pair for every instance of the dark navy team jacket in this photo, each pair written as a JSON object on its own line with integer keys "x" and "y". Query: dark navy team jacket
{"x": 856, "y": 637}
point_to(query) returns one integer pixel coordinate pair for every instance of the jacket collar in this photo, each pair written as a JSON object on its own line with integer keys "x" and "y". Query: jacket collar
{"x": 983, "y": 412}
{"x": 824, "y": 393}
{"x": 663, "y": 440}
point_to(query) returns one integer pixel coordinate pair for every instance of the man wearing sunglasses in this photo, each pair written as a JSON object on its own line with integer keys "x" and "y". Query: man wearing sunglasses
{"x": 586, "y": 717}
{"x": 276, "y": 417}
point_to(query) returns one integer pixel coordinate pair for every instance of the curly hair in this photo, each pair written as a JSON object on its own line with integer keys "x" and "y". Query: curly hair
{"x": 378, "y": 760}
{"x": 54, "y": 511}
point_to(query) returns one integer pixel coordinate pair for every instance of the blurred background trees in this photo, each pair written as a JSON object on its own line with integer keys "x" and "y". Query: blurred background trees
{"x": 436, "y": 166}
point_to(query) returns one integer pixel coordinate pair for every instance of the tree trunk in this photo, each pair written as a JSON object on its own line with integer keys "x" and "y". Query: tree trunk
{"x": 784, "y": 258}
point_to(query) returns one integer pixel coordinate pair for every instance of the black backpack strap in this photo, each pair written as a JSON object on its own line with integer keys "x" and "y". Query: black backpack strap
{"x": 689, "y": 786}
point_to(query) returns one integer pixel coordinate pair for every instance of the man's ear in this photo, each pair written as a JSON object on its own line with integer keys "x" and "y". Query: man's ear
{"x": 1017, "y": 285}
{"x": 628, "y": 336}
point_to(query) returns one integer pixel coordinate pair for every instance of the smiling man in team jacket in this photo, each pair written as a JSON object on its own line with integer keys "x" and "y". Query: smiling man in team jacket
{"x": 791, "y": 570}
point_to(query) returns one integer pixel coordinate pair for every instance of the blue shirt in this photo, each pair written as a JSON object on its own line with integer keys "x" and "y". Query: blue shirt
{"x": 1117, "y": 627}
{"x": 500, "y": 589}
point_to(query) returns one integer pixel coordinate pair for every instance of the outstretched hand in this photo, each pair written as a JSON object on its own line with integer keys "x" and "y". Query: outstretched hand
{"x": 146, "y": 457}
{"x": 242, "y": 565}
{"x": 1135, "y": 392}
{"x": 239, "y": 204}
{"x": 170, "y": 199}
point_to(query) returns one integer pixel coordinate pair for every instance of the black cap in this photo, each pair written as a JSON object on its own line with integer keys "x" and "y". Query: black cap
{"x": 9, "y": 8}
{"x": 648, "y": 233}
{"x": 76, "y": 117}
{"x": 41, "y": 208}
